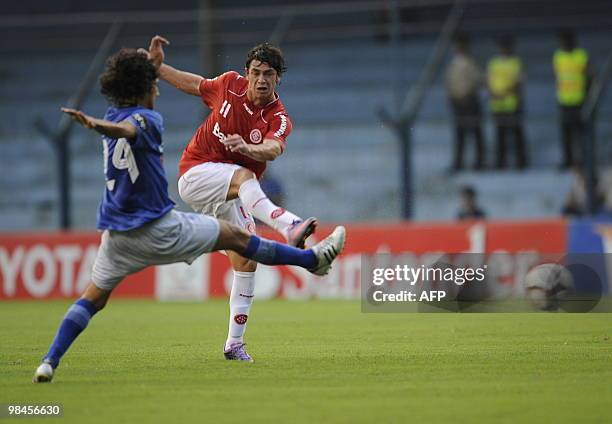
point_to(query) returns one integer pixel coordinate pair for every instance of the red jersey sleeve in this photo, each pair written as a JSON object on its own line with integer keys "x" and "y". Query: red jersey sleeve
{"x": 280, "y": 128}
{"x": 212, "y": 89}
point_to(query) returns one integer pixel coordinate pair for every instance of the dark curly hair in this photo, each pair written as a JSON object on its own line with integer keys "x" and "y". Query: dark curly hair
{"x": 267, "y": 53}
{"x": 129, "y": 76}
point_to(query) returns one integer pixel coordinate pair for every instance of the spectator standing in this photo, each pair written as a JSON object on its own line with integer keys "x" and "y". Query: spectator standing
{"x": 463, "y": 82}
{"x": 571, "y": 66}
{"x": 504, "y": 83}
{"x": 469, "y": 208}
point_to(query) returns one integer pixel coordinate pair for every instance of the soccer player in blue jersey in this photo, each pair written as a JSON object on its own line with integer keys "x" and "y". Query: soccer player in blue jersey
{"x": 140, "y": 226}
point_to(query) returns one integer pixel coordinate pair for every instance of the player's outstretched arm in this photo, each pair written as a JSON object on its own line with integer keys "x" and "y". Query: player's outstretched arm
{"x": 185, "y": 81}
{"x": 123, "y": 129}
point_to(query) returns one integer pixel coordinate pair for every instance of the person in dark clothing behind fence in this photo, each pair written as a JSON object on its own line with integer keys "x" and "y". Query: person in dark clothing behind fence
{"x": 469, "y": 208}
{"x": 463, "y": 82}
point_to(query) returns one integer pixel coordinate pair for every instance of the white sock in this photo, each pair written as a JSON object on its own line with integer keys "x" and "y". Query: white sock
{"x": 257, "y": 203}
{"x": 241, "y": 299}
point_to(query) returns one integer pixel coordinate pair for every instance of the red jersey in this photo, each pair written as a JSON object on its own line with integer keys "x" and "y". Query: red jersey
{"x": 233, "y": 113}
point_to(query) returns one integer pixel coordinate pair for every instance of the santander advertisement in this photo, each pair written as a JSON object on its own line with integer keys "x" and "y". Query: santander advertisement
{"x": 58, "y": 265}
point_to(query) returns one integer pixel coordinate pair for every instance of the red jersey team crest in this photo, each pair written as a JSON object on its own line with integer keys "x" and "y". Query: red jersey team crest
{"x": 233, "y": 113}
{"x": 255, "y": 136}
{"x": 241, "y": 319}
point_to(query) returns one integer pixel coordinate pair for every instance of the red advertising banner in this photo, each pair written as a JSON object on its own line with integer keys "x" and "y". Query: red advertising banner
{"x": 56, "y": 265}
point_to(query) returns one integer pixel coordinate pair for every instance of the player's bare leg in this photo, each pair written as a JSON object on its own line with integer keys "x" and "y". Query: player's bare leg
{"x": 295, "y": 229}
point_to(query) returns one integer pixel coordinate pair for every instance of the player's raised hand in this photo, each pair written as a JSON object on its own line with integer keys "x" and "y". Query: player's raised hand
{"x": 235, "y": 143}
{"x": 83, "y": 119}
{"x": 156, "y": 50}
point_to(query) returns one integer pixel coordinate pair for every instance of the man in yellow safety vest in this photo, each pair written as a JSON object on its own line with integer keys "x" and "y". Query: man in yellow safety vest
{"x": 571, "y": 66}
{"x": 504, "y": 82}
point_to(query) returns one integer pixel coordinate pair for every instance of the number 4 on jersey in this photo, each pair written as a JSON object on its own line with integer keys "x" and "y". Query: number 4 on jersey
{"x": 123, "y": 158}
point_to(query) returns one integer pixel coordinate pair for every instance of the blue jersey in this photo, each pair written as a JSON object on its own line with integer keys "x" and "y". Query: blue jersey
{"x": 136, "y": 187}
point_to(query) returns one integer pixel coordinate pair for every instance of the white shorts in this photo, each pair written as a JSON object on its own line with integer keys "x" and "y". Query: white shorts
{"x": 204, "y": 188}
{"x": 175, "y": 237}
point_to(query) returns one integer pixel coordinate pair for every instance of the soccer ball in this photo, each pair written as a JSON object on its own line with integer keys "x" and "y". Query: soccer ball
{"x": 548, "y": 284}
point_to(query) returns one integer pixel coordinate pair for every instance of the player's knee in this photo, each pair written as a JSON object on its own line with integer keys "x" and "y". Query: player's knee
{"x": 235, "y": 240}
{"x": 232, "y": 238}
{"x": 240, "y": 176}
{"x": 96, "y": 295}
{"x": 244, "y": 265}
{"x": 101, "y": 304}
{"x": 240, "y": 241}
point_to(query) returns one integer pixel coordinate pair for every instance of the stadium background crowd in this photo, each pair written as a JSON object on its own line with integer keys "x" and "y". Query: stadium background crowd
{"x": 348, "y": 60}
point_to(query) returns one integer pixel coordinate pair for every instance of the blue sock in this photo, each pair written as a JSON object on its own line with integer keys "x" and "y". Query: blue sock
{"x": 75, "y": 321}
{"x": 269, "y": 252}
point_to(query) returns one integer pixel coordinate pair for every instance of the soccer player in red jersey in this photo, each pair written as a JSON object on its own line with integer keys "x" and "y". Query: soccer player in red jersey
{"x": 219, "y": 170}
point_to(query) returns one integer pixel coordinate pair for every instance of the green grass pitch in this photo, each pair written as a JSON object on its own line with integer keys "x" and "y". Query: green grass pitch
{"x": 316, "y": 361}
